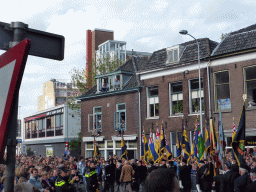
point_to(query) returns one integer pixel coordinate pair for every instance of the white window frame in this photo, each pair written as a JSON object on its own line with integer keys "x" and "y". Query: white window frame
{"x": 245, "y": 82}
{"x": 170, "y": 98}
{"x": 148, "y": 103}
{"x": 190, "y": 96}
{"x": 117, "y": 122}
{"x": 215, "y": 90}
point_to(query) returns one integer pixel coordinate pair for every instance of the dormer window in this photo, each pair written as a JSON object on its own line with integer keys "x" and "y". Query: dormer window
{"x": 173, "y": 54}
{"x": 110, "y": 83}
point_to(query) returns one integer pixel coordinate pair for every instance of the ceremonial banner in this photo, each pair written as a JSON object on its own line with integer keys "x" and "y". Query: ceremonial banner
{"x": 152, "y": 147}
{"x": 238, "y": 143}
{"x": 178, "y": 146}
{"x": 123, "y": 149}
{"x": 96, "y": 154}
{"x": 184, "y": 142}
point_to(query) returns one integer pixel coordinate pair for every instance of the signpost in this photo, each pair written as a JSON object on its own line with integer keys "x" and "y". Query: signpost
{"x": 12, "y": 65}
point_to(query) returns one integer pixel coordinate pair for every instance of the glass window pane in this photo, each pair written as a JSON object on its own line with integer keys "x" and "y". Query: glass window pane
{"x": 176, "y": 87}
{"x": 153, "y": 91}
{"x": 251, "y": 93}
{"x": 151, "y": 110}
{"x": 250, "y": 73}
{"x": 223, "y": 91}
{"x": 157, "y": 109}
{"x": 170, "y": 56}
{"x": 57, "y": 120}
{"x": 118, "y": 144}
{"x": 89, "y": 145}
{"x": 109, "y": 144}
{"x": 175, "y": 51}
{"x": 222, "y": 77}
{"x": 97, "y": 110}
{"x": 132, "y": 144}
{"x": 101, "y": 144}
{"x": 121, "y": 107}
{"x": 195, "y": 84}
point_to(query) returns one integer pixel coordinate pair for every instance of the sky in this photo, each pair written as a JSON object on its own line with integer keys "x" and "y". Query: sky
{"x": 145, "y": 25}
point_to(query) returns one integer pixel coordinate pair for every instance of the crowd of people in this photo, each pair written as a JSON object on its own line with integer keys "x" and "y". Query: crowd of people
{"x": 69, "y": 174}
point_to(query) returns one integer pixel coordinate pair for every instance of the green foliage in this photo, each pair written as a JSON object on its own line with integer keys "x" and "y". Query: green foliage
{"x": 76, "y": 143}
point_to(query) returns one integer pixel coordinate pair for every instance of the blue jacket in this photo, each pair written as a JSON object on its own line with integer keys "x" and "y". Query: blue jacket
{"x": 36, "y": 182}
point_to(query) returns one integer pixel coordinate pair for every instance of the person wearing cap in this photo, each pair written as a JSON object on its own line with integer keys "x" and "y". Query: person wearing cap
{"x": 91, "y": 178}
{"x": 204, "y": 176}
{"x": 244, "y": 180}
{"x": 184, "y": 176}
{"x": 252, "y": 186}
{"x": 62, "y": 183}
{"x": 227, "y": 179}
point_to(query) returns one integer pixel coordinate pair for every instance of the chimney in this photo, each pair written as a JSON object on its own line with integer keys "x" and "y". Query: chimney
{"x": 89, "y": 58}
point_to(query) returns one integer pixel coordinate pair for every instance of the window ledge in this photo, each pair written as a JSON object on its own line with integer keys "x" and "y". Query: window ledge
{"x": 148, "y": 118}
{"x": 223, "y": 111}
{"x": 171, "y": 116}
{"x": 195, "y": 114}
{"x": 251, "y": 108}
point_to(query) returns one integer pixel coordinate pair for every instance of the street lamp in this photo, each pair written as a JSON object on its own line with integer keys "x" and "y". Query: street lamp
{"x": 185, "y": 32}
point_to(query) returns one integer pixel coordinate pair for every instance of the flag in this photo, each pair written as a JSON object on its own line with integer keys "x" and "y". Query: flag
{"x": 207, "y": 140}
{"x": 147, "y": 153}
{"x": 168, "y": 151}
{"x": 152, "y": 147}
{"x": 178, "y": 146}
{"x": 185, "y": 143}
{"x": 194, "y": 152}
{"x": 96, "y": 154}
{"x": 233, "y": 129}
{"x": 157, "y": 141}
{"x": 213, "y": 138}
{"x": 200, "y": 141}
{"x": 142, "y": 145}
{"x": 123, "y": 149}
{"x": 221, "y": 140}
{"x": 162, "y": 140}
{"x": 238, "y": 143}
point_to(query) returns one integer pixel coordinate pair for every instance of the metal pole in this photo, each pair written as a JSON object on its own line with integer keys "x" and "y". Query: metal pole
{"x": 199, "y": 76}
{"x": 18, "y": 36}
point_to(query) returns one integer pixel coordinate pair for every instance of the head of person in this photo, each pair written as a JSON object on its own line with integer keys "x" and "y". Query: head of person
{"x": 23, "y": 187}
{"x": 253, "y": 174}
{"x": 63, "y": 172}
{"x": 161, "y": 180}
{"x": 93, "y": 164}
{"x": 44, "y": 175}
{"x": 34, "y": 172}
{"x": 163, "y": 162}
{"x": 227, "y": 166}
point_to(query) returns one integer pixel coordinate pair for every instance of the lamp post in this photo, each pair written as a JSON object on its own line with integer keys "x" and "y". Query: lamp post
{"x": 185, "y": 32}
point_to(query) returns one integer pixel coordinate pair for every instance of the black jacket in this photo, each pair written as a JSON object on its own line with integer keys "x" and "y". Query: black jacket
{"x": 251, "y": 187}
{"x": 226, "y": 181}
{"x": 91, "y": 179}
{"x": 242, "y": 182}
{"x": 62, "y": 184}
{"x": 204, "y": 177}
{"x": 118, "y": 173}
{"x": 110, "y": 171}
{"x": 152, "y": 168}
{"x": 185, "y": 176}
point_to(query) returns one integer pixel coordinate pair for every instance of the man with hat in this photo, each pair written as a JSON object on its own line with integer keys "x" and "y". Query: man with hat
{"x": 62, "y": 183}
{"x": 184, "y": 176}
{"x": 91, "y": 178}
{"x": 244, "y": 180}
{"x": 204, "y": 176}
{"x": 226, "y": 180}
{"x": 252, "y": 187}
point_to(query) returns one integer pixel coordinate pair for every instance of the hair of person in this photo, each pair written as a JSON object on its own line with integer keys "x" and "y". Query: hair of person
{"x": 44, "y": 173}
{"x": 22, "y": 180}
{"x": 23, "y": 187}
{"x": 253, "y": 174}
{"x": 243, "y": 170}
{"x": 160, "y": 180}
{"x": 34, "y": 169}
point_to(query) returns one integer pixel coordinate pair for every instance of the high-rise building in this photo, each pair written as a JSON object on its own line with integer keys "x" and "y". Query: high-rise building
{"x": 56, "y": 92}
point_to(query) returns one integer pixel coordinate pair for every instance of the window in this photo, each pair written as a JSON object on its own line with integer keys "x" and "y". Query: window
{"x": 97, "y": 114}
{"x": 250, "y": 85}
{"x": 120, "y": 117}
{"x": 59, "y": 125}
{"x": 117, "y": 82}
{"x": 194, "y": 96}
{"x": 50, "y": 126}
{"x": 222, "y": 92}
{"x": 41, "y": 128}
{"x": 153, "y": 102}
{"x": 176, "y": 98}
{"x": 173, "y": 54}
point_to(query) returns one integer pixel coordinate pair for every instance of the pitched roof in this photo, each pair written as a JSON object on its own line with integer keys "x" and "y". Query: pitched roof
{"x": 189, "y": 54}
{"x": 132, "y": 65}
{"x": 236, "y": 41}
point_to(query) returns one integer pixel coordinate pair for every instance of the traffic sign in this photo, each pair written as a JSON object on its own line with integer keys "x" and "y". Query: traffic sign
{"x": 12, "y": 65}
{"x": 44, "y": 44}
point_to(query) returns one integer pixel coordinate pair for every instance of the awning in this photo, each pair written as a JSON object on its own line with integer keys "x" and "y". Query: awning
{"x": 126, "y": 138}
{"x": 89, "y": 139}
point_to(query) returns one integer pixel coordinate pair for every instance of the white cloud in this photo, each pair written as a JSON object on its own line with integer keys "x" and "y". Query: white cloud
{"x": 159, "y": 5}
{"x": 195, "y": 9}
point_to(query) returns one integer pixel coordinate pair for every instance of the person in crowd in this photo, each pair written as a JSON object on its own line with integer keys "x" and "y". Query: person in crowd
{"x": 54, "y": 177}
{"x": 109, "y": 176}
{"x": 140, "y": 175}
{"x": 35, "y": 180}
{"x": 45, "y": 181}
{"x": 204, "y": 176}
{"x": 244, "y": 180}
{"x": 252, "y": 186}
{"x": 23, "y": 187}
{"x": 184, "y": 176}
{"x": 62, "y": 183}
{"x": 151, "y": 167}
{"x": 92, "y": 178}
{"x": 173, "y": 167}
{"x": 227, "y": 179}
{"x": 117, "y": 175}
{"x": 163, "y": 164}
{"x": 161, "y": 180}
{"x": 126, "y": 176}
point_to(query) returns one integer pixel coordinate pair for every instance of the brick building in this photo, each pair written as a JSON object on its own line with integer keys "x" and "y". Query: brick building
{"x": 171, "y": 88}
{"x": 233, "y": 73}
{"x": 113, "y": 107}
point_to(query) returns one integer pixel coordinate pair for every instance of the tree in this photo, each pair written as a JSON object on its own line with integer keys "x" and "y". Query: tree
{"x": 75, "y": 144}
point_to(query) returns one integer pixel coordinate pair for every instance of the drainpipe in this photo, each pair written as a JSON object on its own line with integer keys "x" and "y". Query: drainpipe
{"x": 140, "y": 123}
{"x": 209, "y": 90}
